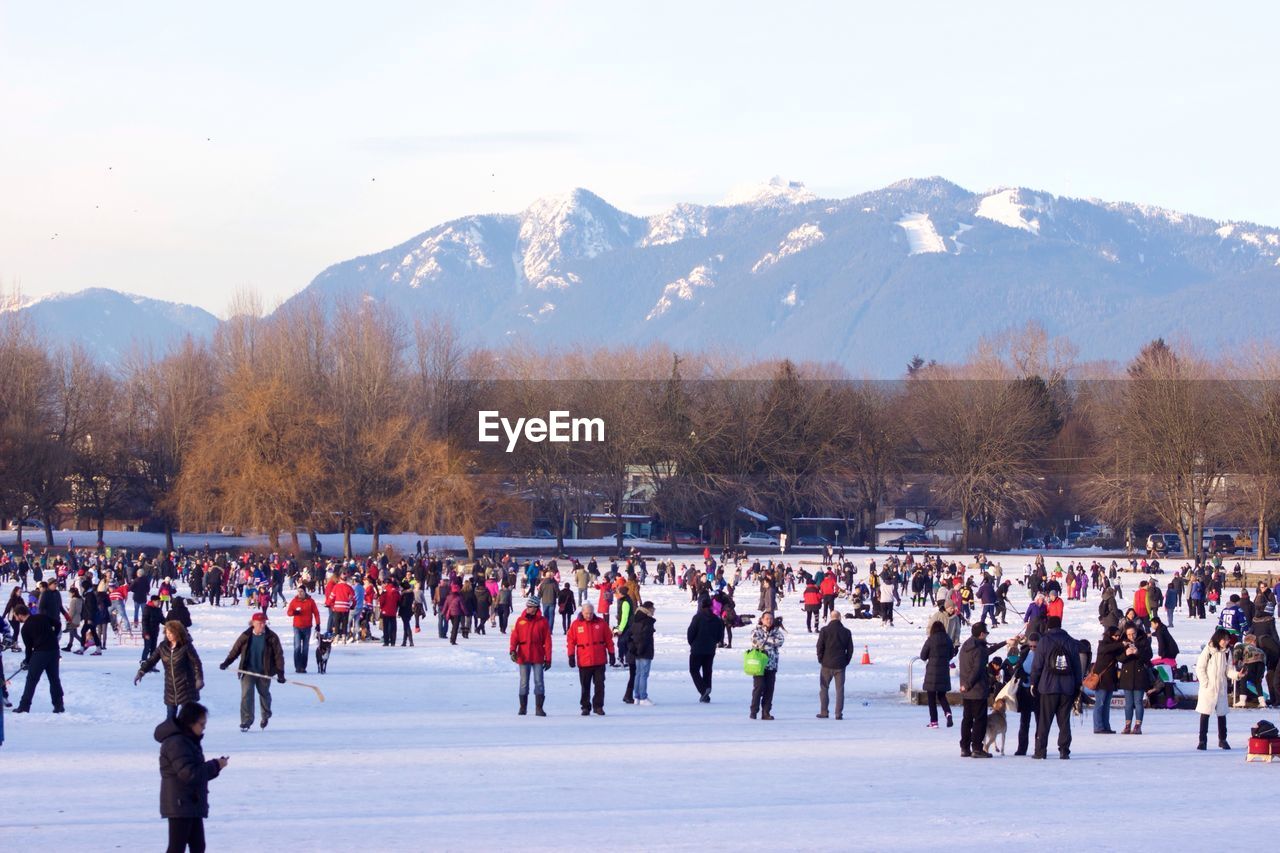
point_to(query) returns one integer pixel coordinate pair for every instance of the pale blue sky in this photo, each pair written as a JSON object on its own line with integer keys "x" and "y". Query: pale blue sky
{"x": 187, "y": 150}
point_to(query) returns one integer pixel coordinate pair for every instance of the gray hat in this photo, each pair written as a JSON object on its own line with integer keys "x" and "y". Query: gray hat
{"x": 532, "y": 602}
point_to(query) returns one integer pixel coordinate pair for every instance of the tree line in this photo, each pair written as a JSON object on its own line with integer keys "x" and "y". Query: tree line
{"x": 324, "y": 418}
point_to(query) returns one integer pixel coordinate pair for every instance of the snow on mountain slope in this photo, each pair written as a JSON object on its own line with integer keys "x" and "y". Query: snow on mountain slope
{"x": 796, "y": 241}
{"x": 774, "y": 193}
{"x": 1008, "y": 208}
{"x": 781, "y": 273}
{"x": 922, "y": 237}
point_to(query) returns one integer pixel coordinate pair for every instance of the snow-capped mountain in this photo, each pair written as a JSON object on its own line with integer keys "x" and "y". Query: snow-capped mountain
{"x": 921, "y": 266}
{"x": 110, "y": 325}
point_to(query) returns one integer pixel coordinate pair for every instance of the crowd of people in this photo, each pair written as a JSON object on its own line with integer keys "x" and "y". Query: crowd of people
{"x": 1040, "y": 672}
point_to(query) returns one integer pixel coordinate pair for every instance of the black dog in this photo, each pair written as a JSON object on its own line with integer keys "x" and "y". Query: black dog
{"x": 323, "y": 644}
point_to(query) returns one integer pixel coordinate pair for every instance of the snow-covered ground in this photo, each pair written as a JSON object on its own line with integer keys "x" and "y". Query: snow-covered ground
{"x": 420, "y": 748}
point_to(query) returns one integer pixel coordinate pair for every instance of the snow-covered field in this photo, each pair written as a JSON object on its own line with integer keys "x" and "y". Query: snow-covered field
{"x": 420, "y": 748}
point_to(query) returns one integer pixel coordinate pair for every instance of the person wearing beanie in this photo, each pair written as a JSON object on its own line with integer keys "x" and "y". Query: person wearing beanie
{"x": 1055, "y": 676}
{"x": 705, "y": 634}
{"x": 530, "y": 649}
{"x": 835, "y": 651}
{"x": 643, "y": 628}
{"x": 258, "y": 657}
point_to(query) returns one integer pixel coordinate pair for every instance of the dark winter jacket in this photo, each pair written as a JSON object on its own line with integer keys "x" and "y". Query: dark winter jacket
{"x": 1057, "y": 649}
{"x": 1108, "y": 610}
{"x": 975, "y": 675}
{"x": 178, "y": 612}
{"x": 937, "y": 653}
{"x": 184, "y": 774}
{"x": 835, "y": 645}
{"x": 706, "y": 632}
{"x": 1165, "y": 644}
{"x": 1135, "y": 667}
{"x": 272, "y": 656}
{"x": 152, "y": 619}
{"x": 643, "y": 626}
{"x": 39, "y": 634}
{"x": 183, "y": 674}
{"x": 1106, "y": 666}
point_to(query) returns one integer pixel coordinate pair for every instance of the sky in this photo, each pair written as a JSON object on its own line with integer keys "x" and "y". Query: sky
{"x": 192, "y": 151}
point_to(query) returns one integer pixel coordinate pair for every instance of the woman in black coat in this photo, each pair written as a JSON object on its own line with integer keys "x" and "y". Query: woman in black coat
{"x": 183, "y": 673}
{"x": 1134, "y": 678}
{"x": 1110, "y": 648}
{"x": 937, "y": 653}
{"x": 184, "y": 777}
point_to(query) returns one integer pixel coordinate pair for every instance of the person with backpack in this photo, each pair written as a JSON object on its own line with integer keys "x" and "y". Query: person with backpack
{"x": 1055, "y": 678}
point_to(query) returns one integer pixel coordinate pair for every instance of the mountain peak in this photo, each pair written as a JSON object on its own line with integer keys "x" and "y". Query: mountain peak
{"x": 774, "y": 192}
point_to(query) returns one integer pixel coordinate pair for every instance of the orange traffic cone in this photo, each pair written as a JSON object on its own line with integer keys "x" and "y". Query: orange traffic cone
{"x": 866, "y": 656}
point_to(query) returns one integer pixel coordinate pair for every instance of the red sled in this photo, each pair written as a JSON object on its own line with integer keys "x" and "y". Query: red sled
{"x": 1263, "y": 749}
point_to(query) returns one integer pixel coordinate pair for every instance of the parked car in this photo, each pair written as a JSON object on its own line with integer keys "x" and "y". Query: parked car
{"x": 542, "y": 533}
{"x": 757, "y": 538}
{"x": 906, "y": 540}
{"x": 1033, "y": 544}
{"x": 1164, "y": 543}
{"x": 687, "y": 537}
{"x": 813, "y": 541}
{"x": 1220, "y": 543}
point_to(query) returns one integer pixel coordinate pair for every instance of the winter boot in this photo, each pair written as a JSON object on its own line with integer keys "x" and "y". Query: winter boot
{"x": 524, "y": 706}
{"x": 1128, "y": 728}
{"x": 1137, "y": 727}
{"x": 537, "y": 706}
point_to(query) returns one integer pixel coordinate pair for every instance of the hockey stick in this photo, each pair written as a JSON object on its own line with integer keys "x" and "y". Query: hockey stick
{"x": 319, "y": 694}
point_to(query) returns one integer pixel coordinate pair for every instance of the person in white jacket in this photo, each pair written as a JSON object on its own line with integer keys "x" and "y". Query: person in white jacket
{"x": 1213, "y": 668}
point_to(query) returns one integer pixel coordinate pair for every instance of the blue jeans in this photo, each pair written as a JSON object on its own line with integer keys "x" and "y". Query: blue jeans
{"x": 642, "y": 677}
{"x": 1133, "y": 700}
{"x": 301, "y": 644}
{"x": 527, "y": 670}
{"x": 988, "y": 610}
{"x": 1102, "y": 710}
{"x": 137, "y": 609}
{"x": 549, "y": 613}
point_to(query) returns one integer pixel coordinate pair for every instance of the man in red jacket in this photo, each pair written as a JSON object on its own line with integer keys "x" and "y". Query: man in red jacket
{"x": 340, "y": 598}
{"x": 304, "y": 612}
{"x": 530, "y": 648}
{"x": 388, "y": 602}
{"x": 590, "y": 647}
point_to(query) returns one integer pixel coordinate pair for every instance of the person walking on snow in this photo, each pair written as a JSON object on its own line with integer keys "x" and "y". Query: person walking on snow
{"x": 589, "y": 644}
{"x": 305, "y": 614}
{"x": 184, "y": 777}
{"x": 835, "y": 651}
{"x": 183, "y": 673}
{"x": 768, "y": 638}
{"x": 530, "y": 648}
{"x": 257, "y": 652}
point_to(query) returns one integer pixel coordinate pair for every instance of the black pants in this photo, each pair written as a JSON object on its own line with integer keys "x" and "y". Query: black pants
{"x": 1054, "y": 707}
{"x": 762, "y": 691}
{"x": 811, "y": 620}
{"x": 504, "y": 613}
{"x": 973, "y": 725}
{"x": 566, "y": 619}
{"x": 186, "y": 833}
{"x": 937, "y": 697}
{"x": 1204, "y": 727}
{"x": 454, "y": 623}
{"x": 1024, "y": 730}
{"x": 408, "y": 631}
{"x": 388, "y": 630}
{"x": 828, "y": 604}
{"x": 46, "y": 664}
{"x": 587, "y": 676}
{"x": 631, "y": 680}
{"x": 700, "y": 669}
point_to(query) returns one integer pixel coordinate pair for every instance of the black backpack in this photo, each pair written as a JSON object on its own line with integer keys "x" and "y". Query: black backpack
{"x": 1266, "y": 730}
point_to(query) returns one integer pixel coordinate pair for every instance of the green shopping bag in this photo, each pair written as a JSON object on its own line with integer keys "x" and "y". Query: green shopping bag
{"x": 754, "y": 661}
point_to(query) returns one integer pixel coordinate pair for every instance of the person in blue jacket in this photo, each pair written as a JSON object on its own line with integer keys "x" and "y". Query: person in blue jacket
{"x": 1232, "y": 618}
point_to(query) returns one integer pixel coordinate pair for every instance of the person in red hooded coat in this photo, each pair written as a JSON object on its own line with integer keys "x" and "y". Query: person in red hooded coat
{"x": 590, "y": 647}
{"x": 530, "y": 648}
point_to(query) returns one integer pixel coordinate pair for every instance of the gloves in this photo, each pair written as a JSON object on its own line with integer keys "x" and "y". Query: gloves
{"x": 22, "y": 667}
{"x": 546, "y": 666}
{"x": 613, "y": 661}
{"x": 573, "y": 662}
{"x": 513, "y": 657}
{"x": 223, "y": 665}
{"x": 280, "y": 678}
{"x": 137, "y": 679}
